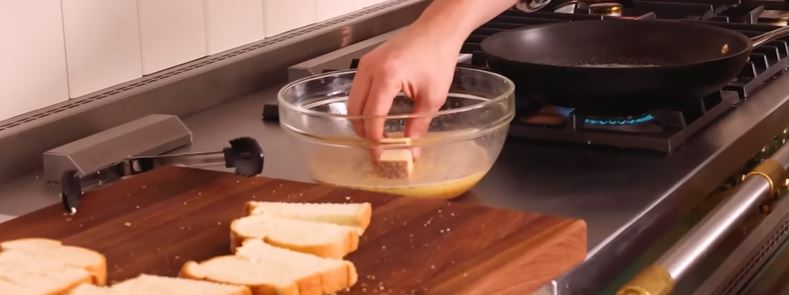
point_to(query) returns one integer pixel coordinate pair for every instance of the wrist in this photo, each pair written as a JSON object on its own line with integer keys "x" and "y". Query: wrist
{"x": 448, "y": 20}
{"x": 440, "y": 33}
{"x": 454, "y": 20}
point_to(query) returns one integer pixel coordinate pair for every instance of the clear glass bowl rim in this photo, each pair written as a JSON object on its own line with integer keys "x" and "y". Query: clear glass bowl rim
{"x": 506, "y": 94}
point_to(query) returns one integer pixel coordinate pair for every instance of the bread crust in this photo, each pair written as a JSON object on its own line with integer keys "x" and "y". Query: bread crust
{"x": 337, "y": 250}
{"x": 306, "y": 285}
{"x": 99, "y": 271}
{"x": 93, "y": 289}
{"x": 84, "y": 280}
{"x": 249, "y": 207}
{"x": 338, "y": 279}
{"x": 362, "y": 218}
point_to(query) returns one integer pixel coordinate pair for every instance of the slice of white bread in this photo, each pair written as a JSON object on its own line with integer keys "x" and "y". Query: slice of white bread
{"x": 335, "y": 274}
{"x": 267, "y": 269}
{"x": 262, "y": 278}
{"x": 353, "y": 214}
{"x": 79, "y": 257}
{"x": 318, "y": 238}
{"x": 157, "y": 285}
{"x": 42, "y": 266}
{"x": 36, "y": 274}
{"x": 7, "y": 287}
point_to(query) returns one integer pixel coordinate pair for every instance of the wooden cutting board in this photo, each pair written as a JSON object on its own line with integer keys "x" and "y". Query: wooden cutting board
{"x": 154, "y": 222}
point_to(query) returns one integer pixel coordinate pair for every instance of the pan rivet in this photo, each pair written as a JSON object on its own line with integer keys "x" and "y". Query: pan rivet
{"x": 725, "y": 49}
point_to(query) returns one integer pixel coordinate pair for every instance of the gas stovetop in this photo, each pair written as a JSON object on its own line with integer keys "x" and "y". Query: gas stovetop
{"x": 662, "y": 130}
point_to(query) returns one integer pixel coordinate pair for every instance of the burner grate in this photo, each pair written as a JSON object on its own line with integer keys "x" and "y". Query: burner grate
{"x": 661, "y": 130}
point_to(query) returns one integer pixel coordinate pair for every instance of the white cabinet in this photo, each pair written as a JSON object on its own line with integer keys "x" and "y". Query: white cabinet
{"x": 232, "y": 23}
{"x": 32, "y": 58}
{"x": 172, "y": 32}
{"x": 102, "y": 44}
{"x": 284, "y": 15}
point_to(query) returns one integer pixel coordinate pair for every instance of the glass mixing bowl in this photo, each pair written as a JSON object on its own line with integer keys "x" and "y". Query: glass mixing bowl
{"x": 463, "y": 141}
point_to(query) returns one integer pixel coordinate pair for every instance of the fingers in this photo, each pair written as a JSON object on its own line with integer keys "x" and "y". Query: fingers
{"x": 360, "y": 88}
{"x": 378, "y": 103}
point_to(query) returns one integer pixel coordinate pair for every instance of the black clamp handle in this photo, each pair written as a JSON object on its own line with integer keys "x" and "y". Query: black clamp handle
{"x": 70, "y": 191}
{"x": 245, "y": 155}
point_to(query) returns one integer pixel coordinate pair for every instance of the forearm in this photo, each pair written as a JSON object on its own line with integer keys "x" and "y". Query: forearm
{"x": 456, "y": 19}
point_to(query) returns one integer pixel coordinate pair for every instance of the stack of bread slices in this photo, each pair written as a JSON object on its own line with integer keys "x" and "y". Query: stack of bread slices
{"x": 43, "y": 266}
{"x": 289, "y": 248}
{"x": 278, "y": 248}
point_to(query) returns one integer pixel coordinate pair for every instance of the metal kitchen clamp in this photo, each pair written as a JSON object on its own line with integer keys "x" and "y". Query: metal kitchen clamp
{"x": 136, "y": 147}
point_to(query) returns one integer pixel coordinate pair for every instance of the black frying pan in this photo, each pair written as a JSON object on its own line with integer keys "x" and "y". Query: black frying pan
{"x": 620, "y": 67}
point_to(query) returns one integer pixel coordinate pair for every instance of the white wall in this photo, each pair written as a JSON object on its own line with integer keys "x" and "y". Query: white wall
{"x": 102, "y": 43}
{"x": 232, "y": 23}
{"x": 32, "y": 58}
{"x": 53, "y": 50}
{"x": 172, "y": 32}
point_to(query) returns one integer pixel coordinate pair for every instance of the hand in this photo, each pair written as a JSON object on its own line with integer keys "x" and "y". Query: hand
{"x": 417, "y": 62}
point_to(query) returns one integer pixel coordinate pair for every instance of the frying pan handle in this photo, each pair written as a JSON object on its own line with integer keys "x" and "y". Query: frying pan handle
{"x": 770, "y": 36}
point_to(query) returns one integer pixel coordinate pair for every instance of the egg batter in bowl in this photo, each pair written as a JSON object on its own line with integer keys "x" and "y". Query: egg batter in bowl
{"x": 435, "y": 174}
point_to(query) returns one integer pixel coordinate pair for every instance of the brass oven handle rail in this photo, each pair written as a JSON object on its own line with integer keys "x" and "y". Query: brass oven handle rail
{"x": 758, "y": 189}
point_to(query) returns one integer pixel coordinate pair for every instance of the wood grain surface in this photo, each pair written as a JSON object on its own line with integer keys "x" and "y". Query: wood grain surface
{"x": 154, "y": 222}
